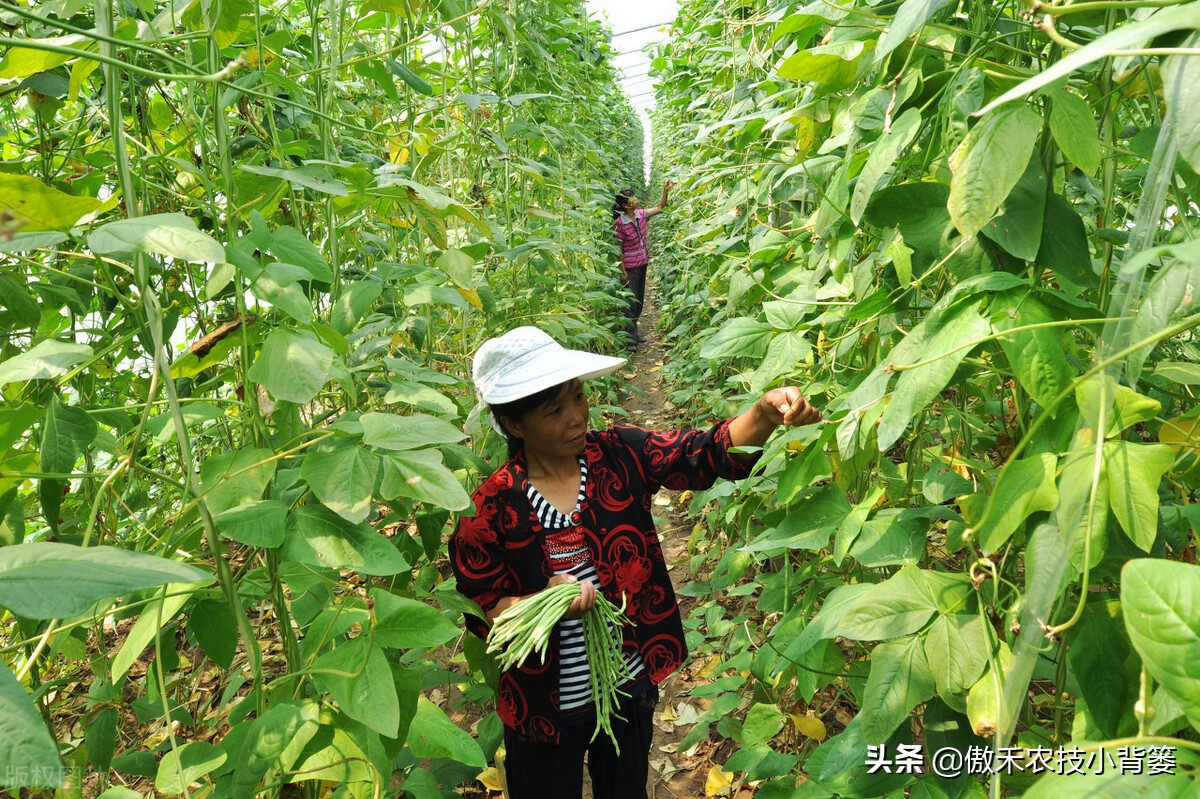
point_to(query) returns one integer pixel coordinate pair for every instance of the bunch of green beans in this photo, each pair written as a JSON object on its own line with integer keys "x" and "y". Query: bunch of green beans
{"x": 608, "y": 669}
{"x": 526, "y": 627}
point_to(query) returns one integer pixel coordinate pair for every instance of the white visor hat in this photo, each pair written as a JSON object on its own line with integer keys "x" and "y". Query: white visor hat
{"x": 526, "y": 360}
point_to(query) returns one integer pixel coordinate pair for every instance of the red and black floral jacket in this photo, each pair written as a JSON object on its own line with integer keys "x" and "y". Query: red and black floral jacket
{"x": 500, "y": 551}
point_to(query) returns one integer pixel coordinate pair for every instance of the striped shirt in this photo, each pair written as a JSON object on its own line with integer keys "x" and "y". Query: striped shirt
{"x": 631, "y": 235}
{"x": 569, "y": 555}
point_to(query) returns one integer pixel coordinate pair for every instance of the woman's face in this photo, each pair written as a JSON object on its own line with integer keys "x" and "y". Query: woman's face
{"x": 631, "y": 203}
{"x": 555, "y": 430}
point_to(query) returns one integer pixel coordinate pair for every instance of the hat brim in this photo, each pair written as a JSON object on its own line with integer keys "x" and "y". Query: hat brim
{"x": 566, "y": 365}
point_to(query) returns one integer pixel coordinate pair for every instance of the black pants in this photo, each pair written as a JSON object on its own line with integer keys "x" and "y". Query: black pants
{"x": 537, "y": 770}
{"x": 637, "y": 284}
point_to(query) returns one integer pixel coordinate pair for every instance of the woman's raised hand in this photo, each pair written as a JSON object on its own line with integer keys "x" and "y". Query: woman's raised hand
{"x": 787, "y": 406}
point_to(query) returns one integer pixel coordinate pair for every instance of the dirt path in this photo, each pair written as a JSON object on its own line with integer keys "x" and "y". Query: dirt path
{"x": 673, "y": 774}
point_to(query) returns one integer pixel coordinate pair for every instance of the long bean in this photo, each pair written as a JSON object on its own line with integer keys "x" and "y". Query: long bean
{"x": 527, "y": 626}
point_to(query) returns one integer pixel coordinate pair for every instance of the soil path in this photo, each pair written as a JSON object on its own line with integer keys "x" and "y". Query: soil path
{"x": 673, "y": 774}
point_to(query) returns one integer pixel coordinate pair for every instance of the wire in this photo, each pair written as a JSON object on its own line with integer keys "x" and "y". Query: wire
{"x": 648, "y": 27}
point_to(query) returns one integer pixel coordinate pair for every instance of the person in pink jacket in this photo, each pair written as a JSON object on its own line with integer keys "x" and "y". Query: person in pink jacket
{"x": 631, "y": 227}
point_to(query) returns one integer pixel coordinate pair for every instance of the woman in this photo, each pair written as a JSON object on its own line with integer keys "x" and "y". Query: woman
{"x": 631, "y": 226}
{"x": 573, "y": 504}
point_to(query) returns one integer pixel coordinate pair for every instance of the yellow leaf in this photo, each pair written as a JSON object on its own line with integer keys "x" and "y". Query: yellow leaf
{"x": 1180, "y": 433}
{"x": 806, "y": 135}
{"x": 471, "y": 296}
{"x": 490, "y": 777}
{"x": 718, "y": 781}
{"x": 808, "y": 726}
{"x": 711, "y": 668}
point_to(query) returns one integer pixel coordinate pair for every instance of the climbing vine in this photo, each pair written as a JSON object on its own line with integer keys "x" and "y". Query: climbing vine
{"x": 967, "y": 230}
{"x": 248, "y": 248}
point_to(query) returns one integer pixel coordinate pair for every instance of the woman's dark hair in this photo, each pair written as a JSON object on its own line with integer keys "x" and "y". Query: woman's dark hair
{"x": 619, "y": 203}
{"x": 520, "y": 408}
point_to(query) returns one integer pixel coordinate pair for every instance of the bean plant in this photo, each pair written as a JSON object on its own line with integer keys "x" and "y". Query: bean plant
{"x": 247, "y": 250}
{"x": 968, "y": 232}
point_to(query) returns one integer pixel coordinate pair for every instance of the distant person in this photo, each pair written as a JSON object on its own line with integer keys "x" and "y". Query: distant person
{"x": 631, "y": 226}
{"x": 573, "y": 504}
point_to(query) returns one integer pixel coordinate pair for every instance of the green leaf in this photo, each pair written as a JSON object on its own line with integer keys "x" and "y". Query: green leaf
{"x": 170, "y": 235}
{"x": 898, "y": 606}
{"x": 293, "y": 247}
{"x": 1129, "y": 36}
{"x": 837, "y": 765}
{"x": 162, "y": 426}
{"x": 1123, "y": 407}
{"x": 319, "y": 537}
{"x": 22, "y": 62}
{"x": 1106, "y": 668}
{"x": 354, "y": 302}
{"x": 213, "y": 624}
{"x": 883, "y": 154}
{"x": 28, "y": 753}
{"x": 1170, "y": 297}
{"x": 1025, "y": 487}
{"x": 233, "y": 479}
{"x": 421, "y": 397}
{"x": 918, "y": 209}
{"x": 293, "y": 365}
{"x": 738, "y": 337}
{"x": 342, "y": 474}
{"x": 47, "y": 359}
{"x": 1074, "y": 129}
{"x": 343, "y": 752}
{"x": 421, "y": 475}
{"x": 1038, "y": 356}
{"x": 286, "y": 296}
{"x": 46, "y": 580}
{"x": 36, "y": 206}
{"x": 900, "y": 680}
{"x": 763, "y": 722}
{"x": 1017, "y": 227}
{"x": 388, "y": 431}
{"x": 458, "y": 266}
{"x": 832, "y": 66}
{"x": 911, "y": 17}
{"x": 180, "y": 767}
{"x": 284, "y": 729}
{"x": 956, "y": 649}
{"x": 1134, "y": 472}
{"x": 230, "y": 16}
{"x": 402, "y": 623}
{"x": 1161, "y": 604}
{"x": 66, "y": 432}
{"x": 945, "y": 350}
{"x": 434, "y": 735}
{"x": 16, "y": 297}
{"x": 256, "y": 524}
{"x": 1064, "y": 249}
{"x": 1182, "y": 372}
{"x": 1113, "y": 784}
{"x": 100, "y": 724}
{"x": 1181, "y": 89}
{"x": 981, "y": 180}
{"x": 312, "y": 176}
{"x": 1077, "y": 508}
{"x": 850, "y": 527}
{"x": 153, "y": 617}
{"x": 365, "y": 690}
